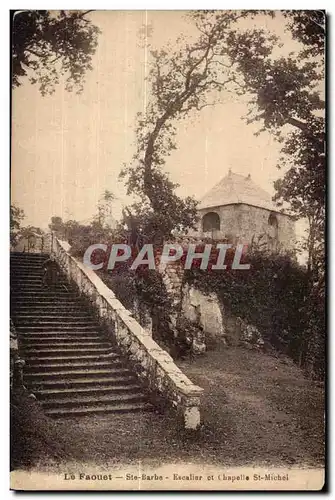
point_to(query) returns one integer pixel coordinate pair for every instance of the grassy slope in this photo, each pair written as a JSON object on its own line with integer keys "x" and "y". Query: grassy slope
{"x": 256, "y": 409}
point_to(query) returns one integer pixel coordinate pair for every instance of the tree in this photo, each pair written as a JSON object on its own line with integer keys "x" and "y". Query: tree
{"x": 105, "y": 208}
{"x": 284, "y": 92}
{"x": 308, "y": 27}
{"x": 182, "y": 81}
{"x": 16, "y": 216}
{"x": 29, "y": 230}
{"x": 286, "y": 98}
{"x": 79, "y": 235}
{"x": 50, "y": 44}
{"x": 56, "y": 225}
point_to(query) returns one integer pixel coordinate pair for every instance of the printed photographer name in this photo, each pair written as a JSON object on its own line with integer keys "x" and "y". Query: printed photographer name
{"x": 121, "y": 252}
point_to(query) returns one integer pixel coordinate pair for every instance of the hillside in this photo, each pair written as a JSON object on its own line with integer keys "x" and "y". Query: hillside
{"x": 257, "y": 409}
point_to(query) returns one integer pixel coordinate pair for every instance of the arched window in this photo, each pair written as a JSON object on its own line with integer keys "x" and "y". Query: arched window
{"x": 211, "y": 222}
{"x": 273, "y": 221}
{"x": 273, "y": 231}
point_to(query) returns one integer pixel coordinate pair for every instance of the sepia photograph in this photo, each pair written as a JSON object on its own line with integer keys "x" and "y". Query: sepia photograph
{"x": 167, "y": 250}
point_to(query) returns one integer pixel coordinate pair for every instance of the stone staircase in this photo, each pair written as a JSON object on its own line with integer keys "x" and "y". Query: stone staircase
{"x": 70, "y": 367}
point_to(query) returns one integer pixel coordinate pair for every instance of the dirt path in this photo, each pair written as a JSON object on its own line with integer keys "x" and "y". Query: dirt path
{"x": 265, "y": 408}
{"x": 257, "y": 410}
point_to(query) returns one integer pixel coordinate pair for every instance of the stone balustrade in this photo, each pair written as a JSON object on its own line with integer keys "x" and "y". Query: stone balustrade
{"x": 153, "y": 365}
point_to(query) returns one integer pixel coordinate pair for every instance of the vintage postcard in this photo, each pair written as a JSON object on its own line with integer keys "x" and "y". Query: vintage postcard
{"x": 167, "y": 265}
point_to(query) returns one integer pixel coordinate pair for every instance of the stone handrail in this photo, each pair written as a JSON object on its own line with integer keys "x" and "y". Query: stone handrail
{"x": 153, "y": 365}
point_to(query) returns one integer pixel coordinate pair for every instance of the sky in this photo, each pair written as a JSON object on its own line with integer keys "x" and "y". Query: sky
{"x": 68, "y": 148}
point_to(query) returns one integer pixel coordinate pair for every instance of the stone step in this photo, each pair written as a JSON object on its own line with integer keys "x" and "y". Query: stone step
{"x": 70, "y": 366}
{"x": 45, "y": 299}
{"x": 45, "y": 334}
{"x": 64, "y": 366}
{"x": 15, "y": 261}
{"x": 101, "y": 389}
{"x": 47, "y": 295}
{"x": 26, "y": 270}
{"x": 70, "y": 352}
{"x": 61, "y": 346}
{"x": 94, "y": 332}
{"x": 64, "y": 327}
{"x": 49, "y": 308}
{"x": 29, "y": 278}
{"x": 51, "y": 314}
{"x": 36, "y": 288}
{"x": 88, "y": 401}
{"x": 34, "y": 299}
{"x": 26, "y": 278}
{"x": 40, "y": 360}
{"x": 38, "y": 306}
{"x": 99, "y": 409}
{"x": 36, "y": 266}
{"x": 66, "y": 302}
{"x": 41, "y": 377}
{"x": 74, "y": 383}
{"x": 44, "y": 320}
{"x": 47, "y": 317}
{"x": 22, "y": 319}
{"x": 30, "y": 339}
{"x": 27, "y": 274}
{"x": 34, "y": 280}
{"x": 42, "y": 255}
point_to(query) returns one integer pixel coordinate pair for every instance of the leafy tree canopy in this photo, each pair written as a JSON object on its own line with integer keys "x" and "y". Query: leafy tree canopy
{"x": 51, "y": 44}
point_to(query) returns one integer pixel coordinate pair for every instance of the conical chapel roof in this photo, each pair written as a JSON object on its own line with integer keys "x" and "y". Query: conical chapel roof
{"x": 235, "y": 188}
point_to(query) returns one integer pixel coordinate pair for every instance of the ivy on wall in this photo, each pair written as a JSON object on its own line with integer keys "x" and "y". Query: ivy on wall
{"x": 272, "y": 295}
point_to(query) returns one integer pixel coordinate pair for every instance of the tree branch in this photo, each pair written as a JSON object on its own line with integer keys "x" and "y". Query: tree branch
{"x": 301, "y": 126}
{"x": 34, "y": 52}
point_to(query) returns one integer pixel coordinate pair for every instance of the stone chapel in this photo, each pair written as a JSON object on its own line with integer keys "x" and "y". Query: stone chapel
{"x": 238, "y": 210}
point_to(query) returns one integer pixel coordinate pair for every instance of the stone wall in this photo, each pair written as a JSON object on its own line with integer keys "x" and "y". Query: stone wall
{"x": 172, "y": 276}
{"x": 241, "y": 333}
{"x": 241, "y": 223}
{"x": 142, "y": 315}
{"x": 217, "y": 324}
{"x": 153, "y": 365}
{"x": 205, "y": 311}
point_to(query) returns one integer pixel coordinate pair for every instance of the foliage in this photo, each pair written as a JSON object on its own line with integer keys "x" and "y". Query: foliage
{"x": 271, "y": 296}
{"x": 81, "y": 236}
{"x": 287, "y": 99}
{"x": 51, "y": 44}
{"x": 29, "y": 230}
{"x": 280, "y": 298}
{"x": 286, "y": 91}
{"x": 105, "y": 208}
{"x": 283, "y": 90}
{"x": 308, "y": 27}
{"x": 16, "y": 216}
{"x": 143, "y": 285}
{"x": 56, "y": 225}
{"x": 181, "y": 82}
